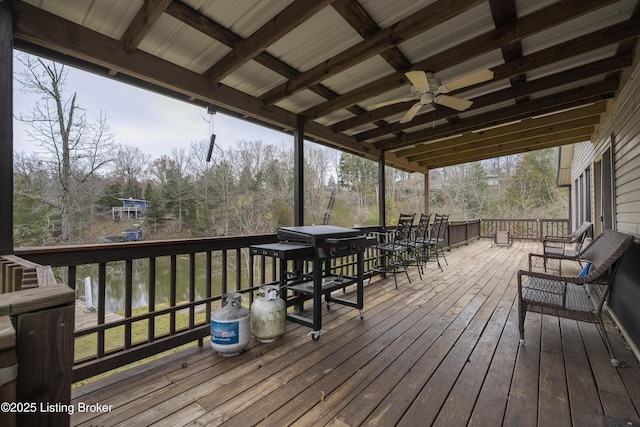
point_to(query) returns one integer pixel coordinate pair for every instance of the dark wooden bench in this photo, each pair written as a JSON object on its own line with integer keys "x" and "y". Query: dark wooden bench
{"x": 580, "y": 297}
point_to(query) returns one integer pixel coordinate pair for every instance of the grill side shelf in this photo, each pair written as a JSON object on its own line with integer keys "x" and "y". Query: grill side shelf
{"x": 329, "y": 284}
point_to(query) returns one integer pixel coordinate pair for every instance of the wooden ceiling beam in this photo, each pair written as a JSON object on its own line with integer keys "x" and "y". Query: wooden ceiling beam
{"x": 276, "y": 28}
{"x": 142, "y": 23}
{"x": 504, "y": 14}
{"x": 353, "y": 12}
{"x": 402, "y": 163}
{"x": 526, "y": 26}
{"x": 498, "y": 152}
{"x": 516, "y": 140}
{"x": 204, "y": 24}
{"x": 579, "y": 117}
{"x": 421, "y": 21}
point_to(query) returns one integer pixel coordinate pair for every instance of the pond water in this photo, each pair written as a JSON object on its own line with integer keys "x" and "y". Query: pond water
{"x": 115, "y": 289}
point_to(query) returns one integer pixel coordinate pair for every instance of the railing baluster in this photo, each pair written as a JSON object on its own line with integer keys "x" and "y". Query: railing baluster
{"x": 238, "y": 270}
{"x": 102, "y": 293}
{"x": 71, "y": 280}
{"x": 192, "y": 289}
{"x": 173, "y": 284}
{"x": 152, "y": 298}
{"x": 208, "y": 283}
{"x": 224, "y": 271}
{"x": 128, "y": 301}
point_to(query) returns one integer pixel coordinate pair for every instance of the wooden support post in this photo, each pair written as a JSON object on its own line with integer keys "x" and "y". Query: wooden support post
{"x": 382, "y": 213}
{"x": 45, "y": 367}
{"x": 298, "y": 173}
{"x": 6, "y": 129}
{"x": 426, "y": 192}
{"x": 44, "y": 319}
{"x": 8, "y": 370}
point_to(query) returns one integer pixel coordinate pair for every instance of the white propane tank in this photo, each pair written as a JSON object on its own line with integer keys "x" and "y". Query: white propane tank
{"x": 230, "y": 333}
{"x": 268, "y": 315}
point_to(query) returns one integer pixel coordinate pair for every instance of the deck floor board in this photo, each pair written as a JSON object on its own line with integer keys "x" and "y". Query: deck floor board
{"x": 442, "y": 350}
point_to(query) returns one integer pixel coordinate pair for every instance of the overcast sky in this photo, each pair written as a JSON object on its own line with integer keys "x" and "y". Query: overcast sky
{"x": 154, "y": 123}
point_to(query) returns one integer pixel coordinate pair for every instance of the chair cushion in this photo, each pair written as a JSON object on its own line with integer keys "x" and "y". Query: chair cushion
{"x": 585, "y": 270}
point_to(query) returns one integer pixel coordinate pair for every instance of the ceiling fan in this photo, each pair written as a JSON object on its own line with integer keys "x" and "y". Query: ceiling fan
{"x": 426, "y": 88}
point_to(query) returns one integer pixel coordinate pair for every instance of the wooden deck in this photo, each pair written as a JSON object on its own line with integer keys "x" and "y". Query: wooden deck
{"x": 441, "y": 351}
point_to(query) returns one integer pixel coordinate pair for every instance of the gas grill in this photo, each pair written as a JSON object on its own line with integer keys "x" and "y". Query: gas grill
{"x": 317, "y": 245}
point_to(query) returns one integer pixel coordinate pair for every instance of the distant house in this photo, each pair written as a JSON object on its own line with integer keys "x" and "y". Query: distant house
{"x": 130, "y": 209}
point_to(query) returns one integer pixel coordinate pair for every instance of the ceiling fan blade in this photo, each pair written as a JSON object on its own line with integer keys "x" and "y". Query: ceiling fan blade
{"x": 409, "y": 115}
{"x": 418, "y": 79}
{"x": 452, "y": 102}
{"x": 385, "y": 103}
{"x": 471, "y": 79}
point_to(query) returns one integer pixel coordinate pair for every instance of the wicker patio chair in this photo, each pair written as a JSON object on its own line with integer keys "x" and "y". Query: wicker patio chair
{"x": 569, "y": 244}
{"x": 578, "y": 297}
{"x": 393, "y": 247}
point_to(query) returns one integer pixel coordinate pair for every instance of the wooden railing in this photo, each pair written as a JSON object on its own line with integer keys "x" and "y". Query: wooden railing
{"x": 214, "y": 267}
{"x": 461, "y": 232}
{"x": 198, "y": 273}
{"x": 526, "y": 229}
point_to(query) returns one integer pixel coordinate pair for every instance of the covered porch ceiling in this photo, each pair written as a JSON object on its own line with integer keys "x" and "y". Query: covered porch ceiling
{"x": 554, "y": 63}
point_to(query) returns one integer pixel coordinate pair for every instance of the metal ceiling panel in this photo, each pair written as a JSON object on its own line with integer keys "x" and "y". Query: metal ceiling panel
{"x": 525, "y": 7}
{"x": 386, "y": 13}
{"x": 181, "y": 44}
{"x": 398, "y": 93}
{"x": 252, "y": 78}
{"x": 585, "y": 24}
{"x": 321, "y": 37}
{"x": 573, "y": 85}
{"x": 243, "y": 17}
{"x": 110, "y": 18}
{"x": 359, "y": 129}
{"x": 444, "y": 36}
{"x": 572, "y": 62}
{"x": 300, "y": 101}
{"x": 365, "y": 72}
{"x": 335, "y": 117}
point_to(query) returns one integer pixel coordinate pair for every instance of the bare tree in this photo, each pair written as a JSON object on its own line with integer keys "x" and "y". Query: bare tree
{"x": 73, "y": 147}
{"x": 130, "y": 164}
{"x": 315, "y": 181}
